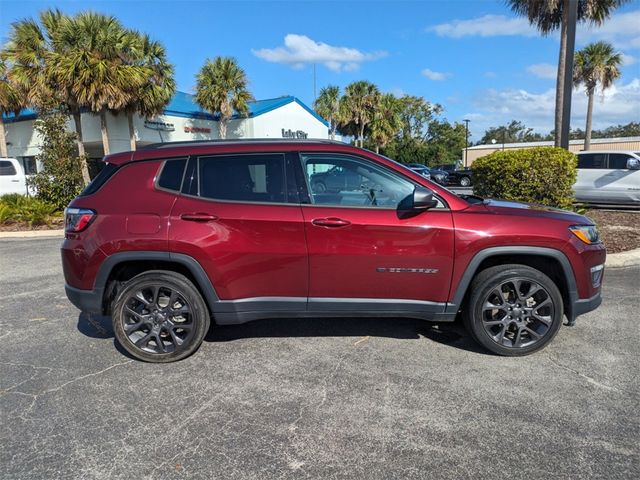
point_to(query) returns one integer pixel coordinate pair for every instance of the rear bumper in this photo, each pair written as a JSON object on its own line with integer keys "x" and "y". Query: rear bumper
{"x": 89, "y": 301}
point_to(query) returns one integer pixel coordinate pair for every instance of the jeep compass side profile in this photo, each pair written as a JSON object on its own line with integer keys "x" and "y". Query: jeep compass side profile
{"x": 172, "y": 237}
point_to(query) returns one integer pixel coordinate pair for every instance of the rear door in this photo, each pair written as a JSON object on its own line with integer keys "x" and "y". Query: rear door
{"x": 239, "y": 216}
{"x": 361, "y": 249}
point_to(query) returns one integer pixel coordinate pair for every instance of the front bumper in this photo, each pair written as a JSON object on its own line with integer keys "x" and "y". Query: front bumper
{"x": 582, "y": 306}
{"x": 89, "y": 301}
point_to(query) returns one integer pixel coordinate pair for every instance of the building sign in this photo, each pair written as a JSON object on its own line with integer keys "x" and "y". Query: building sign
{"x": 154, "y": 125}
{"x": 197, "y": 130}
{"x": 291, "y": 134}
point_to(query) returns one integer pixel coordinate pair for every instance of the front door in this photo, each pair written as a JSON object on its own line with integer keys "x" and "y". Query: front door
{"x": 360, "y": 245}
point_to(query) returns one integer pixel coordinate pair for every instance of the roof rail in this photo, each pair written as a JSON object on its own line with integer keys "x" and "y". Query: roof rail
{"x": 186, "y": 143}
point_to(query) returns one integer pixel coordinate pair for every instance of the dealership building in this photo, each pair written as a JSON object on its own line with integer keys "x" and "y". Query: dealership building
{"x": 183, "y": 119}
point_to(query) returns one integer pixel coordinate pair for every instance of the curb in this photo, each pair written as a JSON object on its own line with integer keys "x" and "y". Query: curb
{"x": 33, "y": 234}
{"x": 623, "y": 259}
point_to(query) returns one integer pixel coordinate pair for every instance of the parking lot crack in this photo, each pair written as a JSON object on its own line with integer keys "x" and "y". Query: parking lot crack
{"x": 587, "y": 378}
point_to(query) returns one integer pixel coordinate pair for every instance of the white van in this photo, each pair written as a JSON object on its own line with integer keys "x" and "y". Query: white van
{"x": 608, "y": 177}
{"x": 12, "y": 177}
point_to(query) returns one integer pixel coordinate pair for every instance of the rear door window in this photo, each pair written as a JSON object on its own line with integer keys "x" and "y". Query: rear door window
{"x": 172, "y": 173}
{"x": 592, "y": 160}
{"x": 243, "y": 178}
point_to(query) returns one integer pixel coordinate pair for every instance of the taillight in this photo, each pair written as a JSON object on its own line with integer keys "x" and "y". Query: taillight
{"x": 78, "y": 219}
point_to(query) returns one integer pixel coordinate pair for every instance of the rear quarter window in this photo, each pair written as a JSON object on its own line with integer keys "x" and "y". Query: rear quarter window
{"x": 172, "y": 173}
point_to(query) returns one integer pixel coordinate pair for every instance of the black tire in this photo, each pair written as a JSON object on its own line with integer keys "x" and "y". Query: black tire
{"x": 159, "y": 316}
{"x": 465, "y": 181}
{"x": 513, "y": 310}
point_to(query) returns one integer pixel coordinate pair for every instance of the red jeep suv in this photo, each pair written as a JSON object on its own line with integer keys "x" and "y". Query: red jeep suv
{"x": 172, "y": 236}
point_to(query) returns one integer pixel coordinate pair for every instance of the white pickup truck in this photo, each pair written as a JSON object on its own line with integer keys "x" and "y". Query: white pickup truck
{"x": 12, "y": 177}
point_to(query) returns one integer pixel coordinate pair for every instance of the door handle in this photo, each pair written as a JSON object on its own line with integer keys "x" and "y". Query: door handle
{"x": 331, "y": 222}
{"x": 198, "y": 217}
{"x": 15, "y": 181}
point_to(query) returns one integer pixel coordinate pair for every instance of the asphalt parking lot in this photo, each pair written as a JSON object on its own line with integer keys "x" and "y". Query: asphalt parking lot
{"x": 373, "y": 399}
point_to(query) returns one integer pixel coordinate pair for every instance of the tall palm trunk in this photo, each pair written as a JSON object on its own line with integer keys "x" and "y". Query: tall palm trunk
{"x": 77, "y": 120}
{"x": 132, "y": 132}
{"x": 560, "y": 77}
{"x": 361, "y": 135}
{"x": 587, "y": 130}
{"x": 3, "y": 139}
{"x": 104, "y": 131}
{"x": 377, "y": 148}
{"x": 222, "y": 128}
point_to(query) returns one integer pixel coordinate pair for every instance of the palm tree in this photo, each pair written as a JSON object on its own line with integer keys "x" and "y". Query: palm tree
{"x": 89, "y": 66}
{"x": 155, "y": 93}
{"x": 327, "y": 105}
{"x": 596, "y": 64}
{"x": 387, "y": 121}
{"x": 11, "y": 101}
{"x": 548, "y": 16}
{"x": 222, "y": 88}
{"x": 358, "y": 106}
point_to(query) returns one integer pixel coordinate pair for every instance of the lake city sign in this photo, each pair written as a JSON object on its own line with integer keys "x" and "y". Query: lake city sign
{"x": 291, "y": 134}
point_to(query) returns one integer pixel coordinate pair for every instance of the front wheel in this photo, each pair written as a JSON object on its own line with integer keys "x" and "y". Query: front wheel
{"x": 465, "y": 181}
{"x": 513, "y": 310}
{"x": 160, "y": 316}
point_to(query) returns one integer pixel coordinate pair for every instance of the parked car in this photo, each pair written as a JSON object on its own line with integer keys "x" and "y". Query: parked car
{"x": 12, "y": 177}
{"x": 462, "y": 177}
{"x": 608, "y": 177}
{"x": 439, "y": 176}
{"x": 173, "y": 236}
{"x": 447, "y": 167}
{"x": 421, "y": 169}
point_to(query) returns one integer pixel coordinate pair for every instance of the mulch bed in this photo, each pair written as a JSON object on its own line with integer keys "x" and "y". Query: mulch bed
{"x": 619, "y": 229}
{"x": 55, "y": 224}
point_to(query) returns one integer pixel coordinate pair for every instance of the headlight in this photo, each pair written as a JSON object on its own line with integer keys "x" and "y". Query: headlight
{"x": 587, "y": 233}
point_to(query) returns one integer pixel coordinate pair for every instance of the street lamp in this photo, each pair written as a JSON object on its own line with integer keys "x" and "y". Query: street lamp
{"x": 466, "y": 140}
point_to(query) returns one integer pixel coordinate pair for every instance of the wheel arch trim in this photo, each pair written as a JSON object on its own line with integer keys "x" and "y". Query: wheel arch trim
{"x": 191, "y": 264}
{"x": 478, "y": 258}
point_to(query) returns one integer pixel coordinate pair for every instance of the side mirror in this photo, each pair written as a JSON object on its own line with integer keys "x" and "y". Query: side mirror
{"x": 423, "y": 199}
{"x": 633, "y": 164}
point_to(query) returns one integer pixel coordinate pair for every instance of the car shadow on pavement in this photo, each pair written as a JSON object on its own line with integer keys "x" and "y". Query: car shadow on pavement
{"x": 452, "y": 334}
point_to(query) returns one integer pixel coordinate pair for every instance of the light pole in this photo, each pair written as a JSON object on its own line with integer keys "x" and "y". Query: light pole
{"x": 466, "y": 140}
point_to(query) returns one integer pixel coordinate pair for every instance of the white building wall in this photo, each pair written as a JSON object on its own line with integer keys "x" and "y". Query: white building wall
{"x": 291, "y": 116}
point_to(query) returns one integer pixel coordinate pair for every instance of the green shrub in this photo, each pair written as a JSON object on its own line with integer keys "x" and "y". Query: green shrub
{"x": 20, "y": 208}
{"x": 60, "y": 180}
{"x": 541, "y": 175}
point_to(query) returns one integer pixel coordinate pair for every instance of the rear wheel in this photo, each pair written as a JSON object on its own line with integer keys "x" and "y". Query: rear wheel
{"x": 465, "y": 181}
{"x": 513, "y": 310}
{"x": 160, "y": 316}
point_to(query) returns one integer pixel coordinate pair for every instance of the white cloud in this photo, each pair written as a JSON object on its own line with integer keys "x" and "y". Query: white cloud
{"x": 620, "y": 105}
{"x": 490, "y": 74}
{"x": 485, "y": 26}
{"x": 622, "y": 29}
{"x": 435, "y": 76}
{"x": 543, "y": 70}
{"x": 299, "y": 50}
{"x": 628, "y": 59}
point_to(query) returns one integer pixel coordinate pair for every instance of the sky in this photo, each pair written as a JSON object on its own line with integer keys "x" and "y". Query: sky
{"x": 475, "y": 58}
